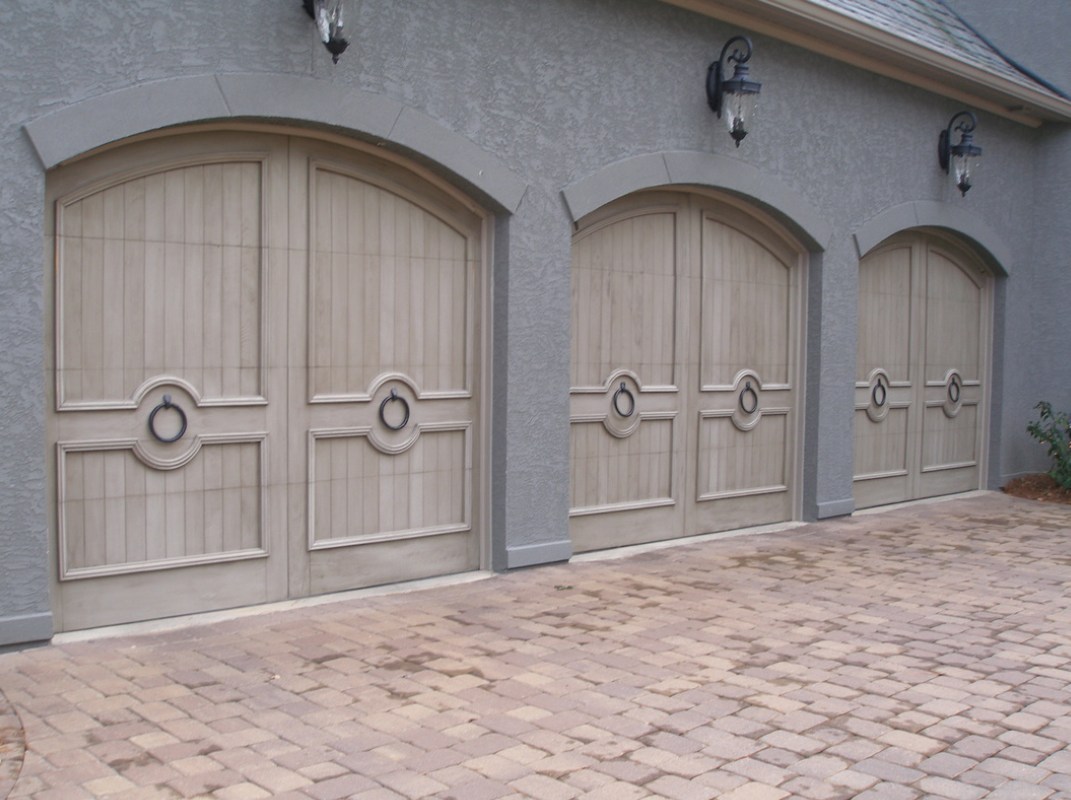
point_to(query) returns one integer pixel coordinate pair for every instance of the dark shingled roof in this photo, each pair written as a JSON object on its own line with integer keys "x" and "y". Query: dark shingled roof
{"x": 933, "y": 25}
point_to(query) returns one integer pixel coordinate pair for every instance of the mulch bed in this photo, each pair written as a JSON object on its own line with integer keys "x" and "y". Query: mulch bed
{"x": 1038, "y": 487}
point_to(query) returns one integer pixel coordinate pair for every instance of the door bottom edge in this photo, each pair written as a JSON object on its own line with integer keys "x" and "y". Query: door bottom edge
{"x": 168, "y": 624}
{"x": 680, "y": 541}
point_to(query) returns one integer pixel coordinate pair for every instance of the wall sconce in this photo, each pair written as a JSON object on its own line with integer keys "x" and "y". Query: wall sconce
{"x": 737, "y": 95}
{"x": 960, "y": 159}
{"x": 327, "y": 14}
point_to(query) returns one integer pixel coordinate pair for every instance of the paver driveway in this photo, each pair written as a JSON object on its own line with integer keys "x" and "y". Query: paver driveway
{"x": 920, "y": 652}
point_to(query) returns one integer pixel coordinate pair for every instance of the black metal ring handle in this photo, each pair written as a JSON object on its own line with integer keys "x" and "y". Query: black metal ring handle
{"x": 953, "y": 390}
{"x": 394, "y": 397}
{"x": 754, "y": 399}
{"x": 878, "y": 403}
{"x": 624, "y": 390}
{"x": 166, "y": 403}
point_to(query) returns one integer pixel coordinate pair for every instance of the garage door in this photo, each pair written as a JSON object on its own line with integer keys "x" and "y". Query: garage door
{"x": 266, "y": 375}
{"x": 921, "y": 378}
{"x": 685, "y": 361}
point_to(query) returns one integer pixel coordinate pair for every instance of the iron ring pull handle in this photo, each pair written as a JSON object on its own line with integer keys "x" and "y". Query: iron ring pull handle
{"x": 879, "y": 402}
{"x": 953, "y": 391}
{"x": 164, "y": 404}
{"x": 754, "y": 399}
{"x": 624, "y": 390}
{"x": 391, "y": 398}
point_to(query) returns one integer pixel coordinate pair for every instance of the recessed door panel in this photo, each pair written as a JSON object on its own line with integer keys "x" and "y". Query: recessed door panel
{"x": 624, "y": 300}
{"x": 118, "y": 514}
{"x": 747, "y": 308}
{"x": 389, "y": 287}
{"x": 162, "y": 274}
{"x": 620, "y": 473}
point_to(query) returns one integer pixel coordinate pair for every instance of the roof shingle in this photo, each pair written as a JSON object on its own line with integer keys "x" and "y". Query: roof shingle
{"x": 933, "y": 25}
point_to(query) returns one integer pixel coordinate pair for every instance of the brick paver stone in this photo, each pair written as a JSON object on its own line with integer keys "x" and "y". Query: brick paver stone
{"x": 917, "y": 652}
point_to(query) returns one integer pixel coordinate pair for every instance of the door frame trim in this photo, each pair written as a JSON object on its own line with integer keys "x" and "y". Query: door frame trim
{"x": 88, "y": 125}
{"x": 680, "y": 168}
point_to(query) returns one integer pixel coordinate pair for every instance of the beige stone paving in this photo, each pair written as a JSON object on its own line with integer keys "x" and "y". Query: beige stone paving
{"x": 924, "y": 652}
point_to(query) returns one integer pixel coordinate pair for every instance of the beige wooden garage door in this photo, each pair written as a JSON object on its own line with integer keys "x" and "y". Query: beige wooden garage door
{"x": 266, "y": 375}
{"x": 685, "y": 362}
{"x": 921, "y": 370}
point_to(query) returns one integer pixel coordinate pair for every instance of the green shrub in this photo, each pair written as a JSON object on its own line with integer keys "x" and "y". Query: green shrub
{"x": 1053, "y": 430}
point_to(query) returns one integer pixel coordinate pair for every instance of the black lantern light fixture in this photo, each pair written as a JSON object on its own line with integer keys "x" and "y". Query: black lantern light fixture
{"x": 327, "y": 14}
{"x": 735, "y": 96}
{"x": 960, "y": 160}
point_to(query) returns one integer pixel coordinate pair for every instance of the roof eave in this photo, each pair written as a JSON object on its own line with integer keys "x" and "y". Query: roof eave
{"x": 845, "y": 39}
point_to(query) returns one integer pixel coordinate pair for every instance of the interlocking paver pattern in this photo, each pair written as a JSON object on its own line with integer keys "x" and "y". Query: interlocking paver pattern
{"x": 923, "y": 652}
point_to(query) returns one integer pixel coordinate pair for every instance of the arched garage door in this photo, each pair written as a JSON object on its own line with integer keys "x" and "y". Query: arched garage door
{"x": 921, "y": 370}
{"x": 685, "y": 366}
{"x": 266, "y": 363}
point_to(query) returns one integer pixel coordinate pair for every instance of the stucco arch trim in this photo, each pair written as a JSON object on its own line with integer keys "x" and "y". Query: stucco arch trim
{"x": 932, "y": 214}
{"x": 694, "y": 168}
{"x": 81, "y": 127}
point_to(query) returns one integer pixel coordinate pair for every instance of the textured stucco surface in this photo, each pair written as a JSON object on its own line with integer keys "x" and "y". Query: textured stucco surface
{"x": 1036, "y": 345}
{"x": 553, "y": 92}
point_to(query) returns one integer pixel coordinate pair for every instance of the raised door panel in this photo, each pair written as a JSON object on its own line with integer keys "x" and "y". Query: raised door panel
{"x": 385, "y": 392}
{"x": 168, "y": 410}
{"x": 625, "y": 365}
{"x": 748, "y": 353}
{"x": 617, "y": 473}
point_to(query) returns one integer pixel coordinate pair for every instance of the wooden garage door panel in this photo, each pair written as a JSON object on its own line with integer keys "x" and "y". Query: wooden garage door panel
{"x": 610, "y": 473}
{"x": 390, "y": 291}
{"x": 358, "y": 493}
{"x": 953, "y": 320}
{"x": 119, "y": 515}
{"x": 734, "y": 462}
{"x": 161, "y": 274}
{"x": 950, "y": 442}
{"x": 624, "y": 300}
{"x": 885, "y": 337}
{"x": 881, "y": 448}
{"x": 747, "y": 309}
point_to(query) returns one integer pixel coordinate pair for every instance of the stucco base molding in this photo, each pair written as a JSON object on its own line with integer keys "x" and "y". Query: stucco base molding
{"x": 835, "y": 508}
{"x": 25, "y": 628}
{"x": 532, "y": 554}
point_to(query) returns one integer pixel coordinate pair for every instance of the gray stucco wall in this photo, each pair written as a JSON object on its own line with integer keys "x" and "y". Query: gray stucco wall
{"x": 1036, "y": 346}
{"x": 551, "y": 93}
